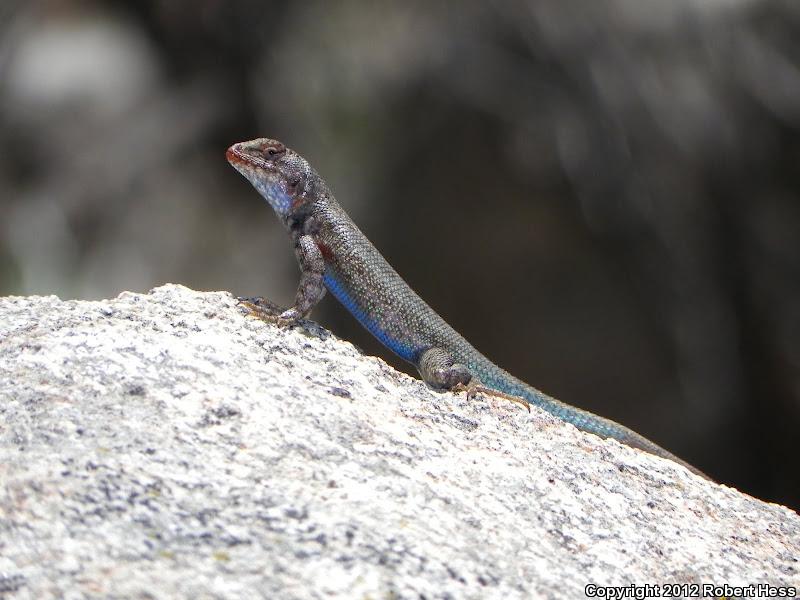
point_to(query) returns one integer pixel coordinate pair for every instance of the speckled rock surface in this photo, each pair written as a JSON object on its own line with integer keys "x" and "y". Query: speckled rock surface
{"x": 166, "y": 445}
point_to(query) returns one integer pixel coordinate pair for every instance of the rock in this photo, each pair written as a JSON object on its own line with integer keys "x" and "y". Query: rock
{"x": 167, "y": 445}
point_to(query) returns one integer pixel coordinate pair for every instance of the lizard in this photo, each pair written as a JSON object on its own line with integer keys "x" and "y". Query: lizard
{"x": 334, "y": 255}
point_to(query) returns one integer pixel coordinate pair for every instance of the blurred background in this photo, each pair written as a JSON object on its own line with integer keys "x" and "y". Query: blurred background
{"x": 602, "y": 196}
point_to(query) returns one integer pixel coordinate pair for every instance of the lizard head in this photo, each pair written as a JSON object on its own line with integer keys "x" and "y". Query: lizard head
{"x": 279, "y": 174}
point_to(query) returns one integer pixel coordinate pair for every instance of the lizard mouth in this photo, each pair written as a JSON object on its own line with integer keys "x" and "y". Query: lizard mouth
{"x": 232, "y": 155}
{"x": 262, "y": 153}
{"x": 239, "y": 155}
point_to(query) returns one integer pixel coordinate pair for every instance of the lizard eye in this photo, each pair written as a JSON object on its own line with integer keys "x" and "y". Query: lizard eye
{"x": 274, "y": 149}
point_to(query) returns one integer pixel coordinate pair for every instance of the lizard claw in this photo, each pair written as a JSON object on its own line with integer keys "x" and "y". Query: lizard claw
{"x": 267, "y": 311}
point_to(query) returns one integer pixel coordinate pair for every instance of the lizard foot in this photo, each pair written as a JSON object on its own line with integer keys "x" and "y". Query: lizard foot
{"x": 473, "y": 389}
{"x": 268, "y": 311}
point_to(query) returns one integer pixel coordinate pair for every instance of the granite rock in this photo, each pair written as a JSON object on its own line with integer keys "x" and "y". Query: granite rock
{"x": 169, "y": 445}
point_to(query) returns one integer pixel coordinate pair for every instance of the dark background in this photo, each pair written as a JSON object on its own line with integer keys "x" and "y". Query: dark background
{"x": 601, "y": 195}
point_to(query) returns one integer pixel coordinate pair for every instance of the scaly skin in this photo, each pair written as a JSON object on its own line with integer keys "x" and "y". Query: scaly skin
{"x": 334, "y": 254}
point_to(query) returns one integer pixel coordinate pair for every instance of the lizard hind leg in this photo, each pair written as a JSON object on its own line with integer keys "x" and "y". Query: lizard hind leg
{"x": 439, "y": 371}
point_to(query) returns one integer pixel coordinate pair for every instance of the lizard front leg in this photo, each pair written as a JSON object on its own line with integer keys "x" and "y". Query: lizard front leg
{"x": 440, "y": 371}
{"x": 310, "y": 290}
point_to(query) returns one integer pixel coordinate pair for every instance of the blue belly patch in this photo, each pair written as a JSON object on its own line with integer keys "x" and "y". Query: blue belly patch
{"x": 403, "y": 350}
